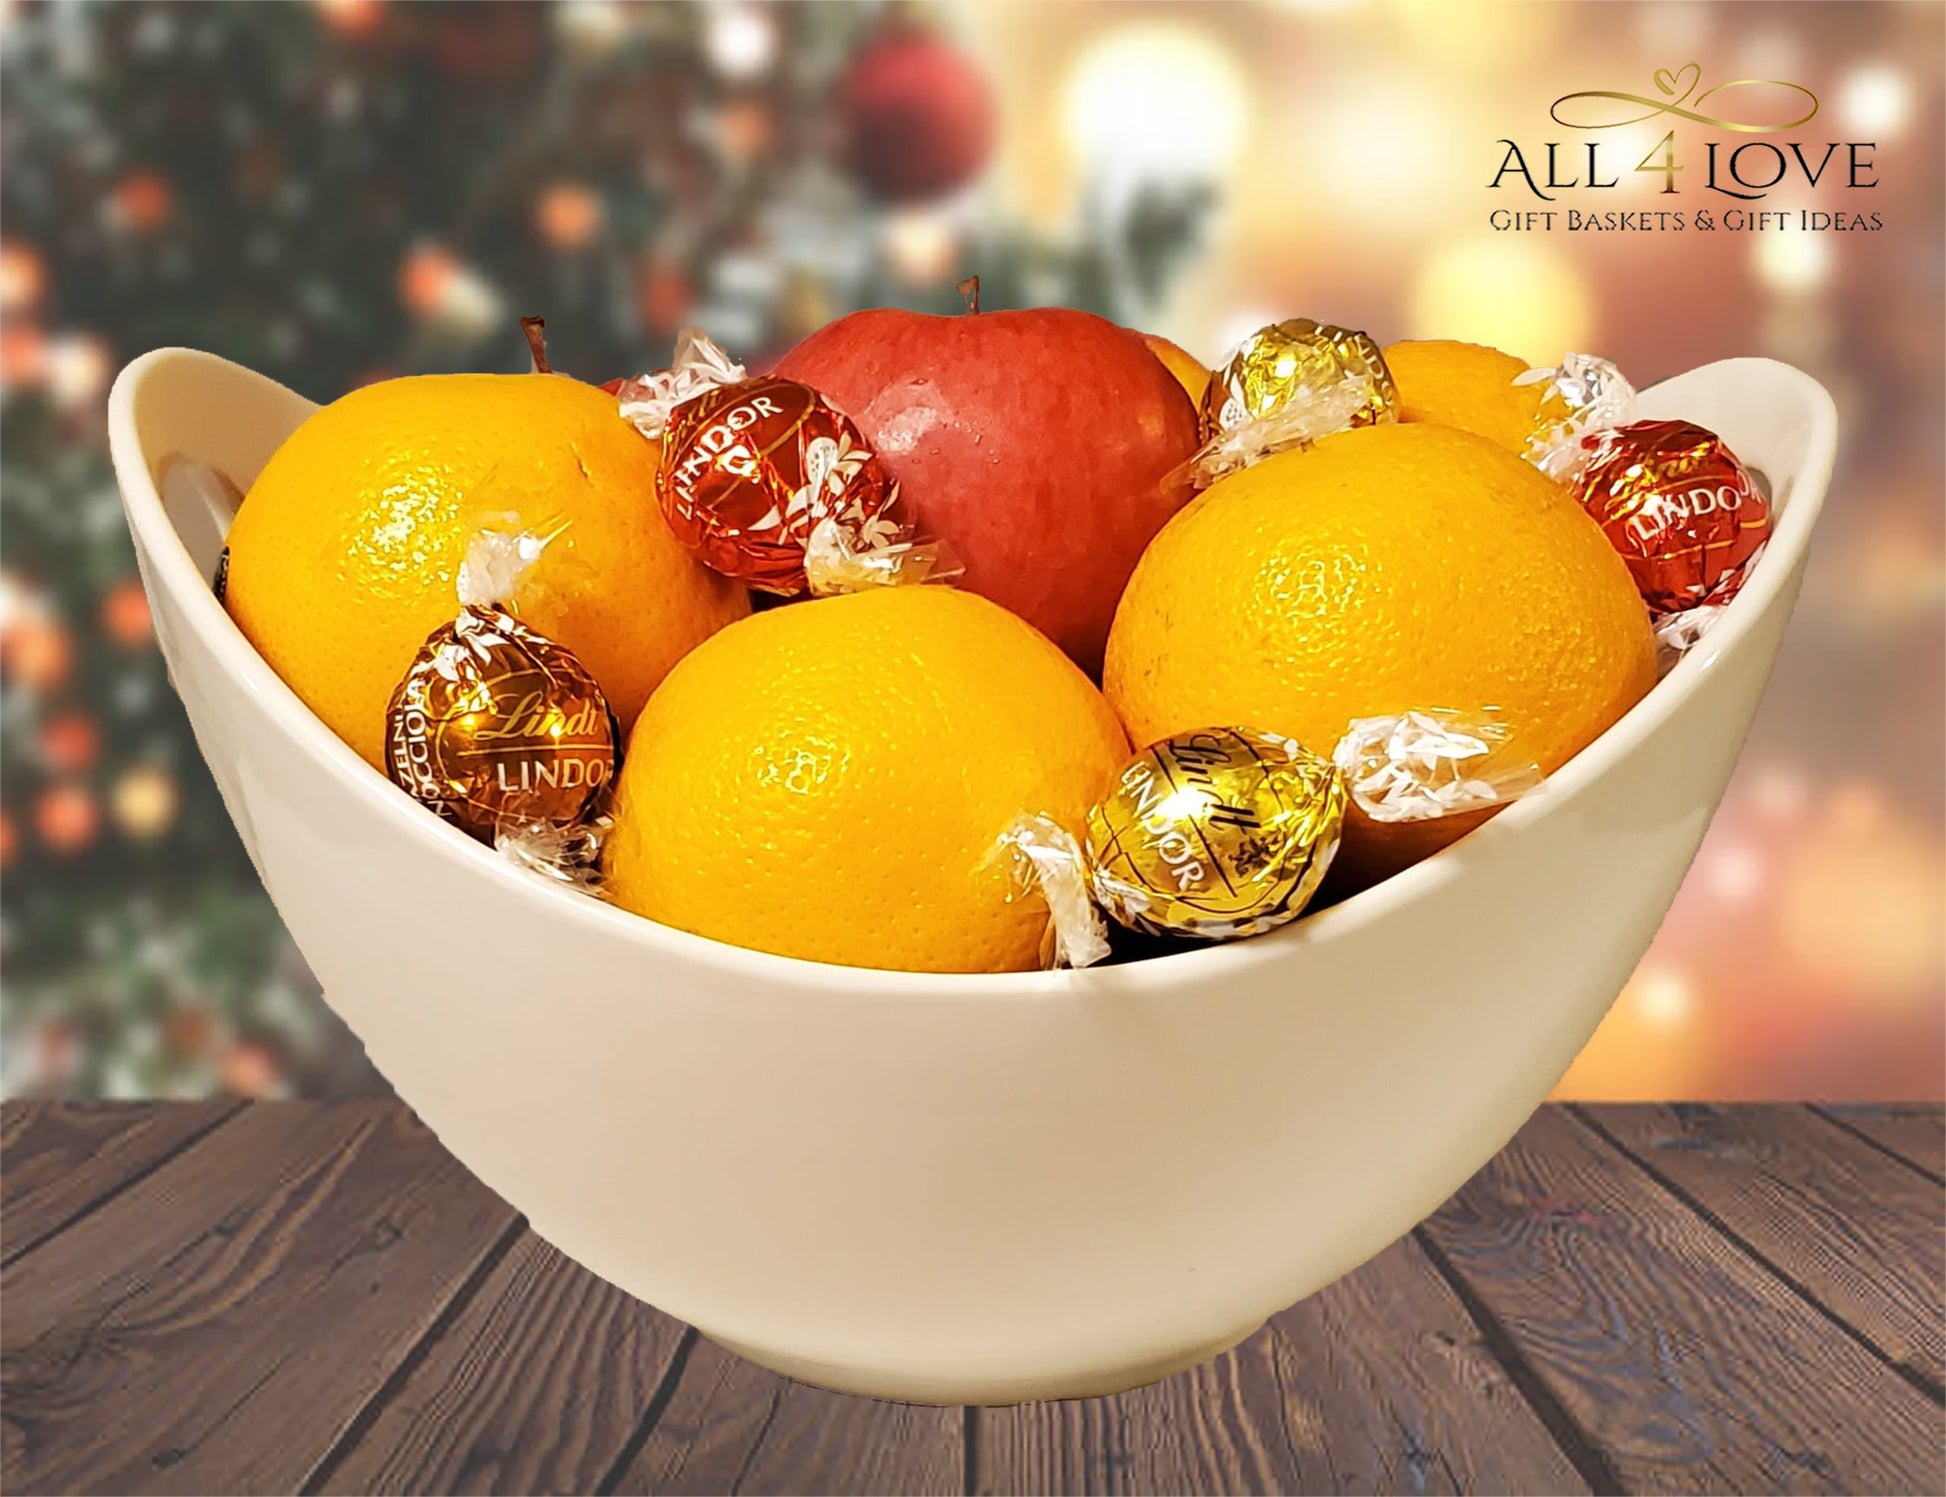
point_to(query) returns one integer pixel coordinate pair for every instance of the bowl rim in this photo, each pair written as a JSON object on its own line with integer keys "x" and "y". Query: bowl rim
{"x": 173, "y": 568}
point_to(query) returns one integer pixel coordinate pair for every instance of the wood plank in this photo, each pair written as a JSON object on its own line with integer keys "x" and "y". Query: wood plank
{"x": 537, "y": 1385}
{"x": 1378, "y": 1383}
{"x": 61, "y": 1159}
{"x": 215, "y": 1327}
{"x": 1856, "y": 1234}
{"x": 730, "y": 1426}
{"x": 1690, "y": 1367}
{"x": 1915, "y": 1131}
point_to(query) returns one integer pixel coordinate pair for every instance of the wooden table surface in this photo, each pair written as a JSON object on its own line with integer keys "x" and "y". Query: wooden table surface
{"x": 284, "y": 1297}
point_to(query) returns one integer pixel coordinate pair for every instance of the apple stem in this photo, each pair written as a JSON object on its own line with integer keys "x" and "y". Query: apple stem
{"x": 970, "y": 289}
{"x": 534, "y": 328}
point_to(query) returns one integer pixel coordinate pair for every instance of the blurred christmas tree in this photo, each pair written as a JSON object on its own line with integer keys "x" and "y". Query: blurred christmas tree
{"x": 344, "y": 191}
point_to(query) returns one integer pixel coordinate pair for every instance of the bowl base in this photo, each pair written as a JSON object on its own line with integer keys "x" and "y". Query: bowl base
{"x": 944, "y": 1388}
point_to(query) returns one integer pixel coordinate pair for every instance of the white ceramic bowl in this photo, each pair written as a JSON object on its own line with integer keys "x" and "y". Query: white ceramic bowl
{"x": 977, "y": 1189}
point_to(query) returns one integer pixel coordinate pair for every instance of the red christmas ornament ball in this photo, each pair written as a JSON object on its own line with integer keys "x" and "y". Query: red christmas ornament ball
{"x": 917, "y": 117}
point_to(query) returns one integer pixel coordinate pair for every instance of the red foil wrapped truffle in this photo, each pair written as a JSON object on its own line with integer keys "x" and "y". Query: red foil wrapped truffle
{"x": 750, "y": 469}
{"x": 1683, "y": 512}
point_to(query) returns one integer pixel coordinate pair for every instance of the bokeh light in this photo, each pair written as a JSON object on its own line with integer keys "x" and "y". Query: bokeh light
{"x": 1479, "y": 37}
{"x": 1406, "y": 157}
{"x": 144, "y": 801}
{"x": 1860, "y": 901}
{"x": 569, "y": 215}
{"x": 351, "y": 18}
{"x": 1772, "y": 52}
{"x": 77, "y": 370}
{"x": 1876, "y": 101}
{"x": 921, "y": 244}
{"x": 1792, "y": 261}
{"x": 1674, "y": 28}
{"x": 1648, "y": 1045}
{"x": 1156, "y": 99}
{"x": 739, "y": 40}
{"x": 1516, "y": 293}
{"x": 22, "y": 276}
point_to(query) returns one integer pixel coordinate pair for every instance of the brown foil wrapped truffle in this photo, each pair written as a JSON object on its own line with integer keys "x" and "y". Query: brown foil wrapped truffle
{"x": 496, "y": 727}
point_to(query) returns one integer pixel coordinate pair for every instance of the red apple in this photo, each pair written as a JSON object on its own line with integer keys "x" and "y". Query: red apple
{"x": 1034, "y": 443}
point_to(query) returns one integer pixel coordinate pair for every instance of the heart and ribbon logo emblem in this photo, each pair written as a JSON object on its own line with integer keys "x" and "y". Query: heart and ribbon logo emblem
{"x": 1676, "y": 96}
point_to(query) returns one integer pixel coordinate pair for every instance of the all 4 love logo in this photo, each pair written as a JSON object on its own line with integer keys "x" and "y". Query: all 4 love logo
{"x": 1747, "y": 170}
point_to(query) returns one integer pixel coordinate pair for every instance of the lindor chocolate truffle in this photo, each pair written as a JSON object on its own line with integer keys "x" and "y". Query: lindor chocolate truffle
{"x": 1286, "y": 362}
{"x": 1219, "y": 833}
{"x": 1228, "y": 832}
{"x": 765, "y": 481}
{"x": 1683, "y": 512}
{"x": 494, "y": 726}
{"x": 1287, "y": 385}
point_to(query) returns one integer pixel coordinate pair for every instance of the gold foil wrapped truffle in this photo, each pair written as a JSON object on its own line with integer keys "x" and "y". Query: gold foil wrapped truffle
{"x": 1228, "y": 832}
{"x": 1300, "y": 362}
{"x": 1219, "y": 833}
{"x": 1286, "y": 386}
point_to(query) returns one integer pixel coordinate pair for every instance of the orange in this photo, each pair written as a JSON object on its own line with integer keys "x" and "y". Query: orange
{"x": 1466, "y": 385}
{"x": 344, "y": 555}
{"x": 1386, "y": 569}
{"x": 1179, "y": 361}
{"x": 830, "y": 780}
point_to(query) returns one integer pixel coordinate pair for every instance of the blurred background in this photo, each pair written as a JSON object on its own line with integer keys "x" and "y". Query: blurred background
{"x": 338, "y": 192}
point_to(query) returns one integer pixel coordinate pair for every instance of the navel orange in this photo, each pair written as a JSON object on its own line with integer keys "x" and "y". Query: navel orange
{"x": 1189, "y": 370}
{"x": 344, "y": 555}
{"x": 830, "y": 780}
{"x": 1386, "y": 569}
{"x": 1466, "y": 385}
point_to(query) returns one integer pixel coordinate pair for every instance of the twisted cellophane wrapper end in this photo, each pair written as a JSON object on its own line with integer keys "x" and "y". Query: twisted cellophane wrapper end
{"x": 1677, "y": 633}
{"x": 569, "y": 855}
{"x": 1306, "y": 416}
{"x": 1048, "y": 860}
{"x": 647, "y": 400}
{"x": 1586, "y": 394}
{"x": 841, "y": 557}
{"x": 1417, "y": 766}
{"x": 495, "y": 561}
